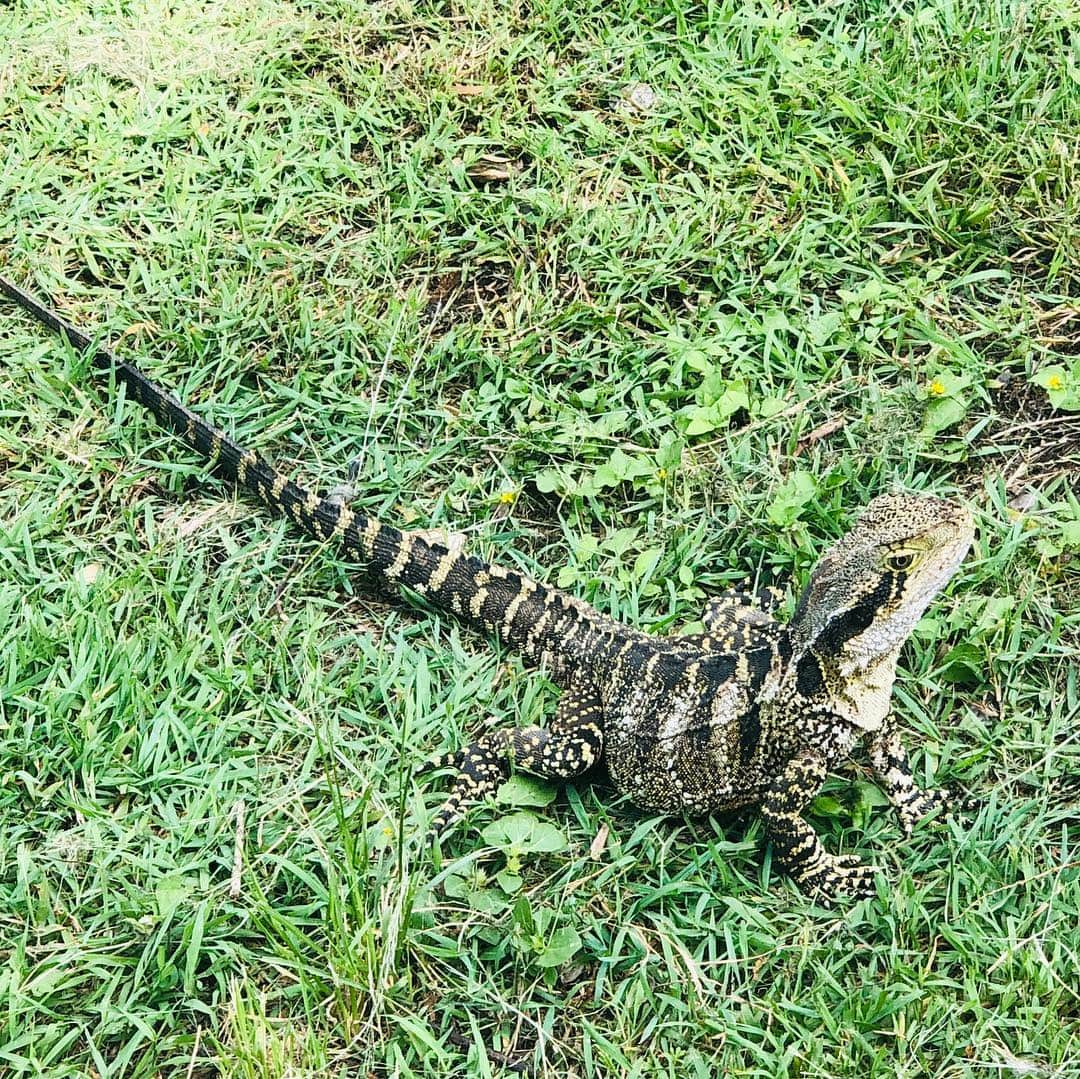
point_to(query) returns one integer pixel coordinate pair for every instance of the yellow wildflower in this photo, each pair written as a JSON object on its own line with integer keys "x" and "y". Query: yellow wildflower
{"x": 507, "y": 498}
{"x": 1054, "y": 382}
{"x": 937, "y": 388}
{"x": 661, "y": 474}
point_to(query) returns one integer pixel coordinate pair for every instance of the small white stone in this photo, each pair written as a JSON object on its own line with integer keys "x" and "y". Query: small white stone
{"x": 88, "y": 573}
{"x": 641, "y": 96}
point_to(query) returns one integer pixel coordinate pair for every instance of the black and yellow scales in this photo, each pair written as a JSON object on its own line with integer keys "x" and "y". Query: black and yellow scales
{"x": 753, "y": 711}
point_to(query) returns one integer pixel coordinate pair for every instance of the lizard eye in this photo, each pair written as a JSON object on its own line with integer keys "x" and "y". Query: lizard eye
{"x": 901, "y": 561}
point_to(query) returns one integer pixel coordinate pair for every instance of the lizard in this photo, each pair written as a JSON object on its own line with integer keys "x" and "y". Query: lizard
{"x": 754, "y": 711}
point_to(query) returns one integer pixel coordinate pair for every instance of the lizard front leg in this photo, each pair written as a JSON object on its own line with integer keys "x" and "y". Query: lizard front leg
{"x": 798, "y": 845}
{"x": 891, "y": 764}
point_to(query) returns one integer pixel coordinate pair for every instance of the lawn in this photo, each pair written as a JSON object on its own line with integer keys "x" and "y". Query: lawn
{"x": 647, "y": 299}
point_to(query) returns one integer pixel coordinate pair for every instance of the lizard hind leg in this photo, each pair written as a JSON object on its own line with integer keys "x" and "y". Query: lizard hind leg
{"x": 738, "y": 607}
{"x": 481, "y": 768}
{"x": 572, "y": 745}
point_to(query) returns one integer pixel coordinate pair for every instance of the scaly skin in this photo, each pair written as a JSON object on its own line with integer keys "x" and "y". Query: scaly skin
{"x": 753, "y": 711}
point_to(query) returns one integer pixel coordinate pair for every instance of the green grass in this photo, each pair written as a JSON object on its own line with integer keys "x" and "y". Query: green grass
{"x": 709, "y": 331}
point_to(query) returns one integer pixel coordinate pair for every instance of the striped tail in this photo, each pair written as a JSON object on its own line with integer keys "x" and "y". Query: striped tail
{"x": 544, "y": 624}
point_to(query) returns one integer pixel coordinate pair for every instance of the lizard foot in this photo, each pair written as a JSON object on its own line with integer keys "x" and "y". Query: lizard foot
{"x": 481, "y": 771}
{"x": 833, "y": 875}
{"x": 451, "y": 759}
{"x": 926, "y": 803}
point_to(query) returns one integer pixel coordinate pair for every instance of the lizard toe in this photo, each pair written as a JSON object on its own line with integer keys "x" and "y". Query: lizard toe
{"x": 935, "y": 804}
{"x": 959, "y": 801}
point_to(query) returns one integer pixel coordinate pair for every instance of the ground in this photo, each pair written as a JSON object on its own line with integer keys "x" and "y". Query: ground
{"x": 646, "y": 298}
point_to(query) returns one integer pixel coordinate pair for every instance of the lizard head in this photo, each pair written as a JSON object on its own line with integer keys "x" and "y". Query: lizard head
{"x": 869, "y": 589}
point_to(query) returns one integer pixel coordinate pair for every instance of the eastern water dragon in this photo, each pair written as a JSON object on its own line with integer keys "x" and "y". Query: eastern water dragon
{"x": 754, "y": 711}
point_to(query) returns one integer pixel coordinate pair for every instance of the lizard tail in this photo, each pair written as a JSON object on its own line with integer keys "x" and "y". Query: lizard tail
{"x": 541, "y": 622}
